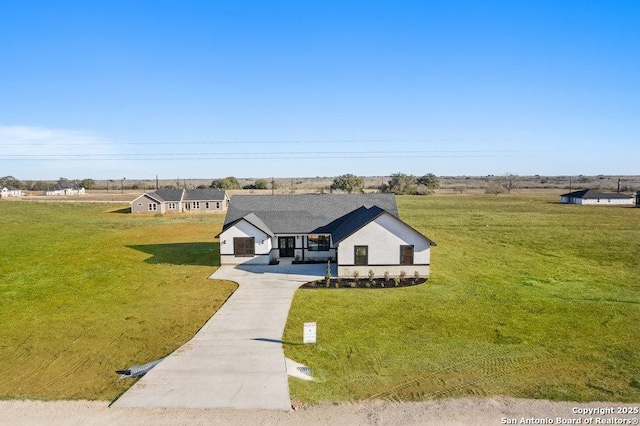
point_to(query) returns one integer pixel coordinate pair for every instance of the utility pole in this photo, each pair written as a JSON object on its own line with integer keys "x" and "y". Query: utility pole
{"x": 122, "y": 185}
{"x": 618, "y": 185}
{"x": 157, "y": 186}
{"x": 273, "y": 185}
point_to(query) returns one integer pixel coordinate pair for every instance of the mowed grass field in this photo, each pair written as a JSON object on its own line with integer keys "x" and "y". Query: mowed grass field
{"x": 86, "y": 289}
{"x": 527, "y": 298}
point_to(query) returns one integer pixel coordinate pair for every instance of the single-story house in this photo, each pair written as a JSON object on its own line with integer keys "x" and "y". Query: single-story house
{"x": 360, "y": 232}
{"x": 10, "y": 191}
{"x": 181, "y": 200}
{"x": 64, "y": 188}
{"x": 594, "y": 197}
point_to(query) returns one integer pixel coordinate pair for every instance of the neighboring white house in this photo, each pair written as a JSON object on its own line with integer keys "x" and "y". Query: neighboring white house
{"x": 594, "y": 197}
{"x": 181, "y": 200}
{"x": 10, "y": 191}
{"x": 357, "y": 231}
{"x": 64, "y": 188}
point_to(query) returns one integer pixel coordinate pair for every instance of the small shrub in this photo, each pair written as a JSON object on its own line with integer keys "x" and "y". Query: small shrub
{"x": 371, "y": 274}
{"x": 403, "y": 275}
{"x": 386, "y": 276}
{"x": 336, "y": 284}
{"x": 396, "y": 281}
{"x": 354, "y": 284}
{"x": 416, "y": 276}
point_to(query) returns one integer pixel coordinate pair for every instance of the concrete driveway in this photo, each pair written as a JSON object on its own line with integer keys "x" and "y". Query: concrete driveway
{"x": 236, "y": 360}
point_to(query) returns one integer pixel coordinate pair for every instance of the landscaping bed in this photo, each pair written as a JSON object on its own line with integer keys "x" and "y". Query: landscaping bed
{"x": 363, "y": 283}
{"x": 309, "y": 261}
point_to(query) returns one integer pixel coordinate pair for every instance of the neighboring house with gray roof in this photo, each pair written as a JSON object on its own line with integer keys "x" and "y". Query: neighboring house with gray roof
{"x": 10, "y": 191}
{"x": 64, "y": 187}
{"x": 360, "y": 232}
{"x": 181, "y": 200}
{"x": 596, "y": 198}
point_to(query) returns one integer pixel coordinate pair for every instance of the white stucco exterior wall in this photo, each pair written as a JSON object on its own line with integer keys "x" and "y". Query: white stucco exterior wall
{"x": 384, "y": 236}
{"x": 244, "y": 229}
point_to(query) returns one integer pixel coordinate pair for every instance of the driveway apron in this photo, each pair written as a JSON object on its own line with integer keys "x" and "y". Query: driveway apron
{"x": 236, "y": 360}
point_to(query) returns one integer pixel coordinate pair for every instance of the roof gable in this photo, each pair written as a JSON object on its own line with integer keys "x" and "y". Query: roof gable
{"x": 359, "y": 219}
{"x": 354, "y": 221}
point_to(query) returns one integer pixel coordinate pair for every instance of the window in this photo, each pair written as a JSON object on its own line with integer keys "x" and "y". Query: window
{"x": 244, "y": 246}
{"x": 196, "y": 204}
{"x": 206, "y": 205}
{"x": 406, "y": 255}
{"x": 318, "y": 242}
{"x": 153, "y": 207}
{"x": 218, "y": 205}
{"x": 172, "y": 206}
{"x": 361, "y": 255}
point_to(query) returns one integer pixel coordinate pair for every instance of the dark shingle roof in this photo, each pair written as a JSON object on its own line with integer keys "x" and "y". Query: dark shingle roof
{"x": 62, "y": 185}
{"x": 308, "y": 213}
{"x": 167, "y": 194}
{"x": 204, "y": 195}
{"x": 592, "y": 194}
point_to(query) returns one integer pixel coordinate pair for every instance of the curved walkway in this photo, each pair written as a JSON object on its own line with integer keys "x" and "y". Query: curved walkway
{"x": 236, "y": 360}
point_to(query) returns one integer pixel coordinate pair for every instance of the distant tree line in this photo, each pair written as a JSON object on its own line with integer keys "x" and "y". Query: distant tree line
{"x": 230, "y": 182}
{"x": 40, "y": 185}
{"x": 399, "y": 183}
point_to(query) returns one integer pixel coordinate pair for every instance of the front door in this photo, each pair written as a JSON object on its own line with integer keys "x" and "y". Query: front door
{"x": 287, "y": 246}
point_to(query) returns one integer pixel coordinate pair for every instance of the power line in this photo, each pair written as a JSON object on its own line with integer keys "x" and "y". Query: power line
{"x": 262, "y": 154}
{"x": 298, "y": 157}
{"x": 244, "y": 142}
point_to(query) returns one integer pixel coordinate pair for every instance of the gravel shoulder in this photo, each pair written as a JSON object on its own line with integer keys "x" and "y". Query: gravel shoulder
{"x": 464, "y": 411}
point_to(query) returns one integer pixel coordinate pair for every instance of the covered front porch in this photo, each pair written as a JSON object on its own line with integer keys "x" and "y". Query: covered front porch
{"x": 293, "y": 248}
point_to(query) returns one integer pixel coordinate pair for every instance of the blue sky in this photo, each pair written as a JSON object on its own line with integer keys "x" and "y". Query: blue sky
{"x": 209, "y": 89}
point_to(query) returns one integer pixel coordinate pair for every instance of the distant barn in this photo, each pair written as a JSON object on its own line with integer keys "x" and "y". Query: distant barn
{"x": 596, "y": 198}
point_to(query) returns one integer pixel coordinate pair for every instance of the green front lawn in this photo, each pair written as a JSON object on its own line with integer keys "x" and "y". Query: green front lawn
{"x": 527, "y": 298}
{"x": 86, "y": 290}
